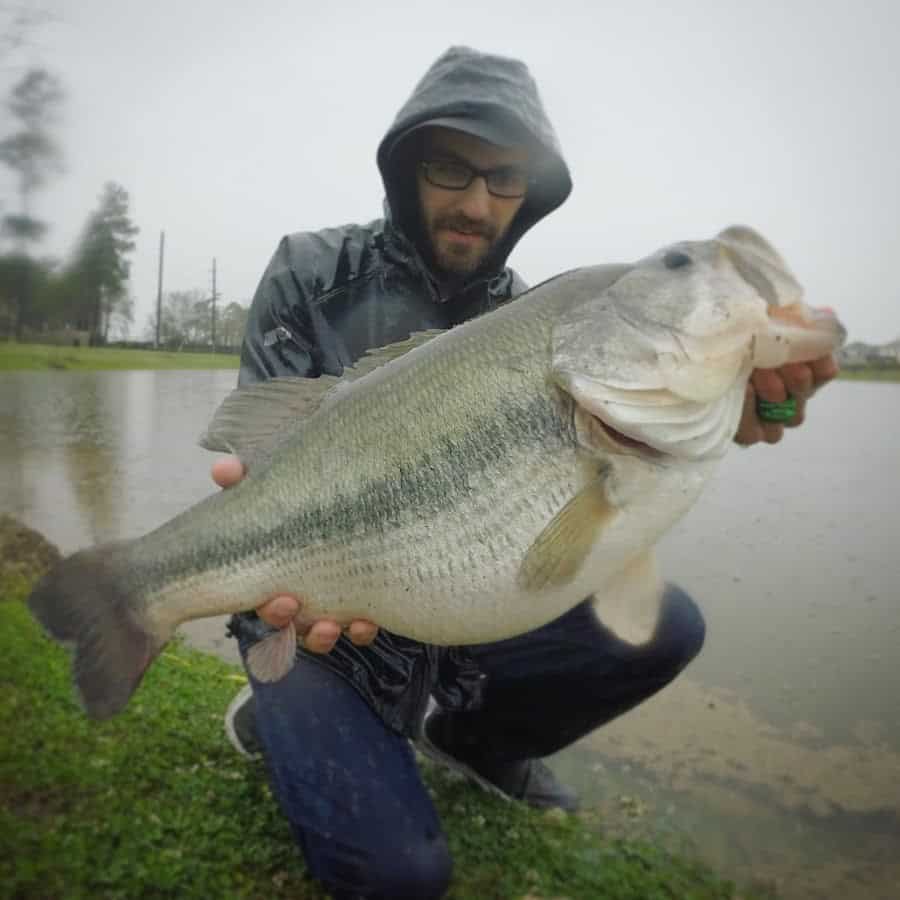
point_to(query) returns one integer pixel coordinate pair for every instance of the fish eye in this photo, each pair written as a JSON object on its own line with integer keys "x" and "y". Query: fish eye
{"x": 675, "y": 259}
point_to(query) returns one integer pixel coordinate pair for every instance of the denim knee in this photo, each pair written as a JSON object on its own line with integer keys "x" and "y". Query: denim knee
{"x": 682, "y": 629}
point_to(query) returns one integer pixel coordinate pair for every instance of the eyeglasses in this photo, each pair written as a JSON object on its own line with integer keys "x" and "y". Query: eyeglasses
{"x": 509, "y": 182}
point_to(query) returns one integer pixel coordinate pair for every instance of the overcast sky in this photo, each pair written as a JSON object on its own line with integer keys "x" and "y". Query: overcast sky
{"x": 233, "y": 124}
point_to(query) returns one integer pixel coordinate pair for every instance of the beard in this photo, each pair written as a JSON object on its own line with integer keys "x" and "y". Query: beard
{"x": 461, "y": 256}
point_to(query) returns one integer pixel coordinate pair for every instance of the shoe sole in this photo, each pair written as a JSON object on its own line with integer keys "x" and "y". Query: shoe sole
{"x": 242, "y": 696}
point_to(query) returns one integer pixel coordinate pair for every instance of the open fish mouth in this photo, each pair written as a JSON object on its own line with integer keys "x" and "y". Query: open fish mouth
{"x": 662, "y": 357}
{"x": 623, "y": 440}
{"x": 597, "y": 433}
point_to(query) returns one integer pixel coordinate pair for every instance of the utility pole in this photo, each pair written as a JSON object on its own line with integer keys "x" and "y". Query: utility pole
{"x": 214, "y": 305}
{"x": 159, "y": 282}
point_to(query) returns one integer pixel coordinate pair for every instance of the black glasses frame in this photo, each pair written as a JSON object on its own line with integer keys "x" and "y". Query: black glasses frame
{"x": 473, "y": 173}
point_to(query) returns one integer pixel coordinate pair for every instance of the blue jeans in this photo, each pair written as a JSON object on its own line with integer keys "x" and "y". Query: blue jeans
{"x": 350, "y": 787}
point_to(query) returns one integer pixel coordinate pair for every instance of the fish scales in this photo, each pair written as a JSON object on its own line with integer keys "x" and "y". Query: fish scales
{"x": 470, "y": 489}
{"x": 322, "y": 526}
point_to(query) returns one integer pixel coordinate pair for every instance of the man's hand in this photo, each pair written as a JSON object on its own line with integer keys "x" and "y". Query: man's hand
{"x": 319, "y": 635}
{"x": 798, "y": 380}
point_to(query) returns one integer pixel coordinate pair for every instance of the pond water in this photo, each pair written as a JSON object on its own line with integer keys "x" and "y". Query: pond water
{"x": 776, "y": 756}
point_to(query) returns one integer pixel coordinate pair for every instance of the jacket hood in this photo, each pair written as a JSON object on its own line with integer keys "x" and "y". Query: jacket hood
{"x": 493, "y": 97}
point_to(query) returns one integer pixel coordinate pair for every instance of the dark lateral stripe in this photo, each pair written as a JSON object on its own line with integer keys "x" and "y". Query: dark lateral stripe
{"x": 440, "y": 478}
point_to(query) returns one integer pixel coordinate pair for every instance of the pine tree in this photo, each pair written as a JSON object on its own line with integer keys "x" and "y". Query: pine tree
{"x": 33, "y": 155}
{"x": 101, "y": 266}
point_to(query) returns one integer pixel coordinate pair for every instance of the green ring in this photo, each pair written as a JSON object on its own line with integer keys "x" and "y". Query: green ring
{"x": 776, "y": 412}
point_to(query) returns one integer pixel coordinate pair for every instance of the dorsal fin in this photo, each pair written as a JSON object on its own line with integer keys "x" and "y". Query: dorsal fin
{"x": 252, "y": 420}
{"x": 376, "y": 358}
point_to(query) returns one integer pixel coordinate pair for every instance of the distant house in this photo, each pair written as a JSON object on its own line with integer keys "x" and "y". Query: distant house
{"x": 65, "y": 336}
{"x": 861, "y": 354}
{"x": 856, "y": 354}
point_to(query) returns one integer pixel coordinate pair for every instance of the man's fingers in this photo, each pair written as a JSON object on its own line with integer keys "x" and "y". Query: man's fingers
{"x": 769, "y": 385}
{"x": 362, "y": 632}
{"x": 322, "y": 636}
{"x": 318, "y": 635}
{"x": 824, "y": 370}
{"x": 228, "y": 471}
{"x": 799, "y": 417}
{"x": 278, "y": 611}
{"x": 749, "y": 429}
{"x": 773, "y": 432}
{"x": 798, "y": 379}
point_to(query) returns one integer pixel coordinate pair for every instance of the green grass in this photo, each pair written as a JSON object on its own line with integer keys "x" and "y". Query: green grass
{"x": 154, "y": 803}
{"x": 15, "y": 356}
{"x": 871, "y": 374}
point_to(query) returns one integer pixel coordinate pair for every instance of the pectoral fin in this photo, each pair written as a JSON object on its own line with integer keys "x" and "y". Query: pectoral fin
{"x": 629, "y": 604}
{"x": 560, "y": 550}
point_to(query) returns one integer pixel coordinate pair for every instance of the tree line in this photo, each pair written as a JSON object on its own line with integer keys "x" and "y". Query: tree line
{"x": 187, "y": 321}
{"x": 88, "y": 294}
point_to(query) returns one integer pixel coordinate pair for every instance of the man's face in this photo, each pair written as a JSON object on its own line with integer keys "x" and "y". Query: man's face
{"x": 464, "y": 225}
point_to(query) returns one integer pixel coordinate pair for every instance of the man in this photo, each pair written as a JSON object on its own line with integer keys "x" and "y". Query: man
{"x": 469, "y": 165}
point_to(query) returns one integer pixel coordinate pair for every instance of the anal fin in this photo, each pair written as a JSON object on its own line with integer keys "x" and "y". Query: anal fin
{"x": 629, "y": 604}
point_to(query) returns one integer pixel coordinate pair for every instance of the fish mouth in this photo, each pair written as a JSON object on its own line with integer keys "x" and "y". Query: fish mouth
{"x": 623, "y": 440}
{"x": 599, "y": 434}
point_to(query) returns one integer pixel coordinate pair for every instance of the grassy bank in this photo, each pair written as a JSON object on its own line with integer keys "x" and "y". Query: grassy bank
{"x": 155, "y": 803}
{"x": 47, "y": 357}
{"x": 870, "y": 374}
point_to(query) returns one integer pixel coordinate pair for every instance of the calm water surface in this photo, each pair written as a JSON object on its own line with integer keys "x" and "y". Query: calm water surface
{"x": 776, "y": 757}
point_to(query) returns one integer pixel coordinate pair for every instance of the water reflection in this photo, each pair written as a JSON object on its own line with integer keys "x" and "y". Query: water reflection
{"x": 777, "y": 756}
{"x": 92, "y": 420}
{"x": 93, "y": 456}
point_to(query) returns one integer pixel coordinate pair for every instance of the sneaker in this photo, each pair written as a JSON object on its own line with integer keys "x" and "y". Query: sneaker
{"x": 529, "y": 780}
{"x": 240, "y": 724}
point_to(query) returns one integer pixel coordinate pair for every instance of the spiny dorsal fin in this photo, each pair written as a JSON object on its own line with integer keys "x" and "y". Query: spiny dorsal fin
{"x": 252, "y": 420}
{"x": 380, "y": 356}
{"x": 562, "y": 547}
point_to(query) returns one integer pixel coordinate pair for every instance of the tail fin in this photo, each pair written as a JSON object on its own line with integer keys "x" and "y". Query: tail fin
{"x": 85, "y": 602}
